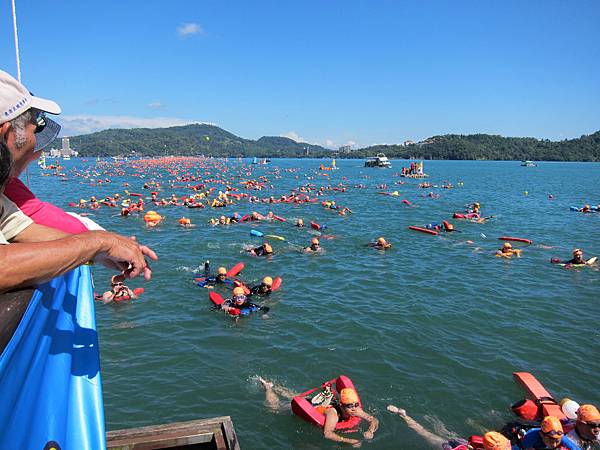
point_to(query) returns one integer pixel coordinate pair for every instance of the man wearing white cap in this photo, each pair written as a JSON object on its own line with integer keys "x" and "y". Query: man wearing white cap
{"x": 38, "y": 253}
{"x": 18, "y": 109}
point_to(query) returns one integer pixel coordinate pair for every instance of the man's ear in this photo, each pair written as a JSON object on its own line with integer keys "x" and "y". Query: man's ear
{"x": 4, "y": 129}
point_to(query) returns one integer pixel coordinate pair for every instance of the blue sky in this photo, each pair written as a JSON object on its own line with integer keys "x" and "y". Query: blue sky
{"x": 327, "y": 72}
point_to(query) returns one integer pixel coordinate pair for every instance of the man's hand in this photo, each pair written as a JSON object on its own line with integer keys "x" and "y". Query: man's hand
{"x": 122, "y": 254}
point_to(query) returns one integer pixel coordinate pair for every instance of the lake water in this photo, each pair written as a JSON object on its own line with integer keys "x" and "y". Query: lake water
{"x": 434, "y": 325}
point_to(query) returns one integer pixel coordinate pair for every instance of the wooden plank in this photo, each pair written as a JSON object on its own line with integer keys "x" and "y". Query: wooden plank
{"x": 215, "y": 433}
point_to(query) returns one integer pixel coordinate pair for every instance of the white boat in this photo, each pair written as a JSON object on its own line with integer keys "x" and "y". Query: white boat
{"x": 528, "y": 164}
{"x": 380, "y": 160}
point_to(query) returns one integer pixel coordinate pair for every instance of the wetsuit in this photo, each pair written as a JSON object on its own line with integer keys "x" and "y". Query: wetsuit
{"x": 260, "y": 251}
{"x": 583, "y": 444}
{"x": 247, "y": 305}
{"x": 214, "y": 280}
{"x": 576, "y": 261}
{"x": 532, "y": 439}
{"x": 260, "y": 289}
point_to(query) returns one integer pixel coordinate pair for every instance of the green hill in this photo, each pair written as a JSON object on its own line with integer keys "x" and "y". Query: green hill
{"x": 210, "y": 140}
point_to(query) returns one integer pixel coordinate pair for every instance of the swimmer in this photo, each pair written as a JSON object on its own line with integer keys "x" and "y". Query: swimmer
{"x": 220, "y": 278}
{"x": 185, "y": 222}
{"x": 577, "y": 257}
{"x": 549, "y": 435}
{"x": 347, "y": 407}
{"x": 119, "y": 292}
{"x": 586, "y": 433}
{"x": 240, "y": 301}
{"x": 380, "y": 244}
{"x": 300, "y": 223}
{"x": 263, "y": 250}
{"x": 313, "y": 247}
{"x": 263, "y": 288}
{"x": 507, "y": 251}
{"x": 491, "y": 440}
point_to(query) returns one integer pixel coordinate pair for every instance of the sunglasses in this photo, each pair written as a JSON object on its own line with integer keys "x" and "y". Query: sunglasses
{"x": 593, "y": 425}
{"x": 350, "y": 405}
{"x": 118, "y": 284}
{"x": 40, "y": 121}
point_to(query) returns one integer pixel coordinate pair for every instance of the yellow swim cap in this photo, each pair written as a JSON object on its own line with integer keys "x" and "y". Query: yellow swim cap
{"x": 381, "y": 241}
{"x": 314, "y": 241}
{"x": 268, "y": 247}
{"x": 268, "y": 281}
{"x": 222, "y": 271}
{"x": 238, "y": 291}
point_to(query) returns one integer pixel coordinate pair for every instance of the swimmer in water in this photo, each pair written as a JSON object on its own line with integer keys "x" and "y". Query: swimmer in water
{"x": 380, "y": 244}
{"x": 314, "y": 246}
{"x": 118, "y": 291}
{"x": 348, "y": 406}
{"x": 263, "y": 250}
{"x": 507, "y": 251}
{"x": 239, "y": 301}
{"x": 300, "y": 223}
{"x": 263, "y": 288}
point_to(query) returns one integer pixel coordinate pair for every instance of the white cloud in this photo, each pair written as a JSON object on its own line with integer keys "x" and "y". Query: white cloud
{"x": 75, "y": 125}
{"x": 293, "y": 136}
{"x": 350, "y": 143}
{"x": 155, "y": 105}
{"x": 328, "y": 143}
{"x": 189, "y": 29}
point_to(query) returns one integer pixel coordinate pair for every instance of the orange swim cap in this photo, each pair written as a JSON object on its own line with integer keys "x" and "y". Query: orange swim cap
{"x": 238, "y": 291}
{"x": 588, "y": 413}
{"x": 268, "y": 281}
{"x": 314, "y": 241}
{"x": 550, "y": 424}
{"x": 268, "y": 247}
{"x": 495, "y": 441}
{"x": 222, "y": 271}
{"x": 348, "y": 395}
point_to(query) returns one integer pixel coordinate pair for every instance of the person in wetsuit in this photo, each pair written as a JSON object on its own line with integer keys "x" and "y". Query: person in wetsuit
{"x": 263, "y": 288}
{"x": 381, "y": 244}
{"x": 577, "y": 257}
{"x": 220, "y": 278}
{"x": 240, "y": 301}
{"x": 549, "y": 435}
{"x": 263, "y": 250}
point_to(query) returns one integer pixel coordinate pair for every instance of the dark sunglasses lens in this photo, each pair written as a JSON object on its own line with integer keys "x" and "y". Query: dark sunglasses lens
{"x": 40, "y": 122}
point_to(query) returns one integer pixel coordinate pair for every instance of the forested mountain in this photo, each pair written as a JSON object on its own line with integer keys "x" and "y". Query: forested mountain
{"x": 210, "y": 140}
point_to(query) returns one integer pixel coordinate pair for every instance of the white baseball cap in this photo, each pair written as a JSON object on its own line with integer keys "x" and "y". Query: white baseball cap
{"x": 15, "y": 99}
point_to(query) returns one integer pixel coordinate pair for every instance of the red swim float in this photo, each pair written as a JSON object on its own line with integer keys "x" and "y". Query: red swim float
{"x": 304, "y": 409}
{"x": 514, "y": 239}
{"x": 423, "y": 230}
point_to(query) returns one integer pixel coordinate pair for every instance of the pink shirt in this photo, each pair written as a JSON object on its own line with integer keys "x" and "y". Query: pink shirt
{"x": 40, "y": 212}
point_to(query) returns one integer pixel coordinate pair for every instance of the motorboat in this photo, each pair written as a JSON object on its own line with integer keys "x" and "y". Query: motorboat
{"x": 380, "y": 160}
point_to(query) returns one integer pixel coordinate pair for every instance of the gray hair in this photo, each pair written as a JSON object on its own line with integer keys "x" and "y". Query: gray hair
{"x": 19, "y": 124}
{"x": 5, "y": 163}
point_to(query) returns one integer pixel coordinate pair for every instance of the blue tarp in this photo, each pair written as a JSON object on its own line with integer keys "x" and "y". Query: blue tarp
{"x": 50, "y": 387}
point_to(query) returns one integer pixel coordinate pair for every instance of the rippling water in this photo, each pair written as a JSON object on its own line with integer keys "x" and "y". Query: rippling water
{"x": 435, "y": 325}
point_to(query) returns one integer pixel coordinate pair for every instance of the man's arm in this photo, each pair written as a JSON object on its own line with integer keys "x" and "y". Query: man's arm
{"x": 27, "y": 263}
{"x": 331, "y": 420}
{"x": 373, "y": 423}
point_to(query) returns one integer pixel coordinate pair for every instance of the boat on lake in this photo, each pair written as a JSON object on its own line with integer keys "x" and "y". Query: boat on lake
{"x": 380, "y": 160}
{"x": 528, "y": 164}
